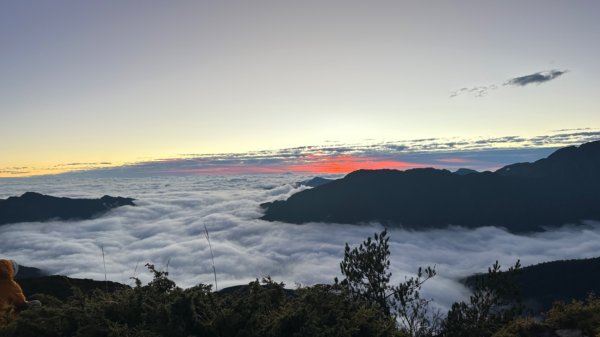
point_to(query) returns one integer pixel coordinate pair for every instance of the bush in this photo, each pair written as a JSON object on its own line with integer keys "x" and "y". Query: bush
{"x": 493, "y": 304}
{"x": 162, "y": 309}
{"x": 366, "y": 269}
{"x": 578, "y": 315}
{"x": 363, "y": 304}
{"x": 524, "y": 327}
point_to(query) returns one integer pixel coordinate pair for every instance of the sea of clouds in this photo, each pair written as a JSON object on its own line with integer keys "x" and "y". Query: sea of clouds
{"x": 167, "y": 228}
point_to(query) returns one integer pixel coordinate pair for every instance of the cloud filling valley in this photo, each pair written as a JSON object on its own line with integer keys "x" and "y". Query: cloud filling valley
{"x": 167, "y": 228}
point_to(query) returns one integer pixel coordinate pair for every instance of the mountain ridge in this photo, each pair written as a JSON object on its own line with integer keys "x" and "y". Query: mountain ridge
{"x": 36, "y": 207}
{"x": 542, "y": 284}
{"x": 523, "y": 197}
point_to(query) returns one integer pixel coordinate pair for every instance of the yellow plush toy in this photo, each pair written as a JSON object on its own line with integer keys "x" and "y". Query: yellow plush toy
{"x": 11, "y": 294}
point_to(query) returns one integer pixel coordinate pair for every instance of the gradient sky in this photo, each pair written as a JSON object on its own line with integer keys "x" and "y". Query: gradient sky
{"x": 111, "y": 82}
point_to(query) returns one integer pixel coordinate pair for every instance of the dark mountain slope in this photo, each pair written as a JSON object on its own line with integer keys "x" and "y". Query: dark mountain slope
{"x": 314, "y": 182}
{"x": 29, "y": 272}
{"x": 542, "y": 284}
{"x": 62, "y": 287}
{"x": 38, "y": 207}
{"x": 563, "y": 188}
{"x": 570, "y": 164}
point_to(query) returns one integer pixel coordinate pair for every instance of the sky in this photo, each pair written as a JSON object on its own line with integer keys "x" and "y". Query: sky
{"x": 110, "y": 83}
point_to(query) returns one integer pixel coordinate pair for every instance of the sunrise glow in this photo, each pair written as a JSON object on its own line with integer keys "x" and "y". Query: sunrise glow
{"x": 311, "y": 165}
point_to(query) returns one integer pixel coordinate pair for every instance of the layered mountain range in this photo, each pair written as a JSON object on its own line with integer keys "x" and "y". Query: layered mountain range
{"x": 563, "y": 188}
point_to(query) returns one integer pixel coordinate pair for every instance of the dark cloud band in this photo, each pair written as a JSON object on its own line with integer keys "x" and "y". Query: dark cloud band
{"x": 521, "y": 81}
{"x": 537, "y": 78}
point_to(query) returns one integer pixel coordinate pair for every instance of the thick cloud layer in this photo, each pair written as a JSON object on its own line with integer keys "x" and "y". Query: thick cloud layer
{"x": 168, "y": 228}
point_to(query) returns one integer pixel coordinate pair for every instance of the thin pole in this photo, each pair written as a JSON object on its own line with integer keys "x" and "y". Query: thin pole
{"x": 104, "y": 262}
{"x": 212, "y": 256}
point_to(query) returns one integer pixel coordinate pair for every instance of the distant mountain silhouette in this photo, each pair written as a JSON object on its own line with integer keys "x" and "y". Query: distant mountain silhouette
{"x": 244, "y": 288}
{"x": 464, "y": 171}
{"x": 37, "y": 281}
{"x": 563, "y": 188}
{"x": 314, "y": 182}
{"x": 38, "y": 207}
{"x": 567, "y": 165}
{"x": 29, "y": 272}
{"x": 542, "y": 284}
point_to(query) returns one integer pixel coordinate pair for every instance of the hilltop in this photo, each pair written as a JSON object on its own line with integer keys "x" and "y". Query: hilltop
{"x": 560, "y": 189}
{"x": 33, "y": 206}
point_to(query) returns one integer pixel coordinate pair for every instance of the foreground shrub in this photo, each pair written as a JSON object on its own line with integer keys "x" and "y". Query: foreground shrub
{"x": 326, "y": 310}
{"x": 524, "y": 327}
{"x": 367, "y": 278}
{"x": 577, "y": 315}
{"x": 163, "y": 309}
{"x": 363, "y": 304}
{"x": 493, "y": 304}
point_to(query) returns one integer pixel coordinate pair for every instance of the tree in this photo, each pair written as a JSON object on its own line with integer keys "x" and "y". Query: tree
{"x": 367, "y": 278}
{"x": 494, "y": 303}
{"x": 366, "y": 270}
{"x": 411, "y": 310}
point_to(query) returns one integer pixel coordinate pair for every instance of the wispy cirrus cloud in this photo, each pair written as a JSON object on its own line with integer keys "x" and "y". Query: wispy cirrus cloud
{"x": 520, "y": 81}
{"x": 479, "y": 91}
{"x": 20, "y": 171}
{"x": 17, "y": 170}
{"x": 338, "y": 158}
{"x": 85, "y": 164}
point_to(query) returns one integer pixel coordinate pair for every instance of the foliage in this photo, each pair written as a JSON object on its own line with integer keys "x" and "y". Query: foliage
{"x": 366, "y": 270}
{"x": 363, "y": 304}
{"x": 367, "y": 278}
{"x": 523, "y": 327}
{"x": 322, "y": 311}
{"x": 493, "y": 304}
{"x": 579, "y": 315}
{"x": 411, "y": 309}
{"x": 160, "y": 308}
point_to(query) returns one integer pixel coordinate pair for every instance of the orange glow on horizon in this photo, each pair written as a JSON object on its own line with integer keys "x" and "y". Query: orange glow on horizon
{"x": 348, "y": 164}
{"x": 314, "y": 165}
{"x": 310, "y": 164}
